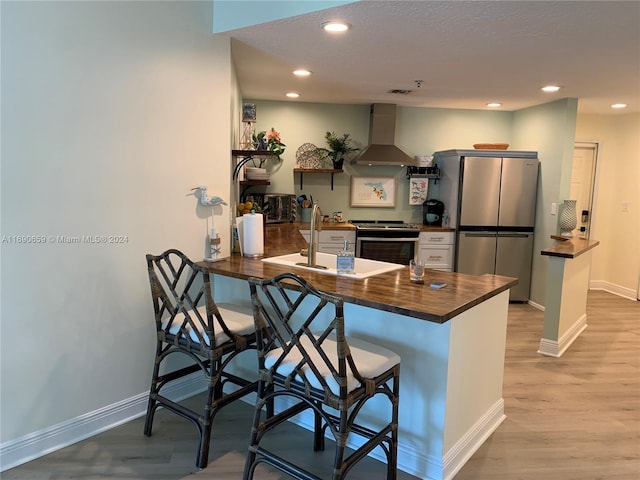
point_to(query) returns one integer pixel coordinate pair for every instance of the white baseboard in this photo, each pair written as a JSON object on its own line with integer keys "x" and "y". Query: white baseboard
{"x": 600, "y": 285}
{"x": 429, "y": 467}
{"x": 464, "y": 448}
{"x": 410, "y": 460}
{"x": 625, "y": 292}
{"x": 536, "y": 305}
{"x": 40, "y": 443}
{"x": 554, "y": 348}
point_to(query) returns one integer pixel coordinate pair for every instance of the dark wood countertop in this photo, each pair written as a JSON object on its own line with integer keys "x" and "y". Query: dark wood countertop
{"x": 570, "y": 248}
{"x": 391, "y": 291}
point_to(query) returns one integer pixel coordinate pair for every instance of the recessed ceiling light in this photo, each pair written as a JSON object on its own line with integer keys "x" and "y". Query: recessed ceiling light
{"x": 550, "y": 88}
{"x": 302, "y": 72}
{"x": 336, "y": 27}
{"x": 494, "y": 104}
{"x": 619, "y": 105}
{"x": 293, "y": 94}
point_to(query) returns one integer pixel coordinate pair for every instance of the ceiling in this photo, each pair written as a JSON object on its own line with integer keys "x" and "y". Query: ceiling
{"x": 466, "y": 53}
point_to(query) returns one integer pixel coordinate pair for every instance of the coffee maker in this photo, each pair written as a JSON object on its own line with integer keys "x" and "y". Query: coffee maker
{"x": 432, "y": 211}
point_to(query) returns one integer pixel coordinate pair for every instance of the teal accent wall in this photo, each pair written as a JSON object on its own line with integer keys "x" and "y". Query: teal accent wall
{"x": 550, "y": 130}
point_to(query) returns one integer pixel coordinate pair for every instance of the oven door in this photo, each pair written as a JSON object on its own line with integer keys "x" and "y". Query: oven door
{"x": 387, "y": 249}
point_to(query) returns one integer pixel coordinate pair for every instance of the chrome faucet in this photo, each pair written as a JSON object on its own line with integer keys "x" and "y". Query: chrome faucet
{"x": 315, "y": 226}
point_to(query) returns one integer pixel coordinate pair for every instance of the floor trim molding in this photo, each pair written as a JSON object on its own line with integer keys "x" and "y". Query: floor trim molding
{"x": 613, "y": 288}
{"x": 553, "y": 348}
{"x": 464, "y": 448}
{"x": 37, "y": 444}
{"x": 410, "y": 460}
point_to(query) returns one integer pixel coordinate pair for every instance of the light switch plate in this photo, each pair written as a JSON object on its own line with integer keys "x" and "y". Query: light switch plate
{"x": 554, "y": 209}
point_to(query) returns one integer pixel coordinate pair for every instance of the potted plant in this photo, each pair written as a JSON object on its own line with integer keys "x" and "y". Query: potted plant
{"x": 269, "y": 141}
{"x": 339, "y": 146}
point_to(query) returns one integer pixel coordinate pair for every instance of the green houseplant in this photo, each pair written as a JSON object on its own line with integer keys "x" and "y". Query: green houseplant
{"x": 339, "y": 147}
{"x": 270, "y": 141}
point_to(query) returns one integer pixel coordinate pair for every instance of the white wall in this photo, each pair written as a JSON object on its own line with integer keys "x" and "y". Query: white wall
{"x": 616, "y": 261}
{"x": 111, "y": 113}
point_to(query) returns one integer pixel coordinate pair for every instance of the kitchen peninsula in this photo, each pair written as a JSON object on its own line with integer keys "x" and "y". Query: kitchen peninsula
{"x": 451, "y": 342}
{"x": 565, "y": 314}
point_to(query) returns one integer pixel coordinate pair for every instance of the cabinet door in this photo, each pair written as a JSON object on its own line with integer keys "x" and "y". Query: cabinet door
{"x": 437, "y": 257}
{"x": 332, "y": 248}
{"x": 436, "y": 238}
{"x": 336, "y": 236}
{"x": 331, "y": 241}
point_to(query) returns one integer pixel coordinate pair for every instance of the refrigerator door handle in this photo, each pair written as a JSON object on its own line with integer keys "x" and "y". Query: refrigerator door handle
{"x": 474, "y": 234}
{"x": 514, "y": 235}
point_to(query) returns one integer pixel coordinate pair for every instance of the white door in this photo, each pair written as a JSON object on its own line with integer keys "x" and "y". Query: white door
{"x": 582, "y": 182}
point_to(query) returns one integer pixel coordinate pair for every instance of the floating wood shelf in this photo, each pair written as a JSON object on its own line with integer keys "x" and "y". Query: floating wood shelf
{"x": 251, "y": 153}
{"x": 435, "y": 175}
{"x": 255, "y": 182}
{"x": 302, "y": 171}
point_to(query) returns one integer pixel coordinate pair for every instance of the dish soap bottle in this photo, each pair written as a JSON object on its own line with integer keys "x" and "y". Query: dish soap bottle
{"x": 345, "y": 261}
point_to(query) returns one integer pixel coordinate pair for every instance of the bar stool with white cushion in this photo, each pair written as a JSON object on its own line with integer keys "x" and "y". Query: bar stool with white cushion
{"x": 190, "y": 324}
{"x": 305, "y": 357}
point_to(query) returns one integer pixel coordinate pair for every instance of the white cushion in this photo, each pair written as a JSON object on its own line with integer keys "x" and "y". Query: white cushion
{"x": 238, "y": 318}
{"x": 371, "y": 360}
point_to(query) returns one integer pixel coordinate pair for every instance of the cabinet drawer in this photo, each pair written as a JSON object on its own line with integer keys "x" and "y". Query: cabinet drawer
{"x": 437, "y": 257}
{"x": 334, "y": 248}
{"x": 331, "y": 236}
{"x": 332, "y": 242}
{"x": 436, "y": 238}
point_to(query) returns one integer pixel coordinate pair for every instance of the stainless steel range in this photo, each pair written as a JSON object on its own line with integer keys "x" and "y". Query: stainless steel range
{"x": 386, "y": 240}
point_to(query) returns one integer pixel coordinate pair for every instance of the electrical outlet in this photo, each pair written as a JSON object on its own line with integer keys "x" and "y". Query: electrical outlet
{"x": 554, "y": 209}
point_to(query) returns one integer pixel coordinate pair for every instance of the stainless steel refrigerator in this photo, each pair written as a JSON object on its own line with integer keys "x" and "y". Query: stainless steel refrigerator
{"x": 490, "y": 196}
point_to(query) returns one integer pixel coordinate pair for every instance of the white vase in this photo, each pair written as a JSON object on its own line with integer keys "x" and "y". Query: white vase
{"x": 568, "y": 218}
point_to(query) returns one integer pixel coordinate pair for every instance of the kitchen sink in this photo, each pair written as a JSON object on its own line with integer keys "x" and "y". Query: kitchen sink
{"x": 364, "y": 268}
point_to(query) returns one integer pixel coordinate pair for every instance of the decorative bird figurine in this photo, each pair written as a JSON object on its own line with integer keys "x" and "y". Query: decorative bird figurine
{"x": 205, "y": 200}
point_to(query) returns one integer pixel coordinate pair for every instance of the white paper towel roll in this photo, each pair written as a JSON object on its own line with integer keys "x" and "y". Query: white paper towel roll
{"x": 252, "y": 239}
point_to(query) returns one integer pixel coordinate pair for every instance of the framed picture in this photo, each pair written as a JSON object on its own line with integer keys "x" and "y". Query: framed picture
{"x": 418, "y": 188}
{"x": 373, "y": 192}
{"x": 248, "y": 112}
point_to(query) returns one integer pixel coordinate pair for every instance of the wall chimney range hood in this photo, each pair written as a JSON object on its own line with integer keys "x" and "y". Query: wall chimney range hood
{"x": 382, "y": 130}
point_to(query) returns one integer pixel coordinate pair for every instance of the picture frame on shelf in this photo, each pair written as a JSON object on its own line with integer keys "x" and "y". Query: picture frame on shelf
{"x": 249, "y": 112}
{"x": 373, "y": 192}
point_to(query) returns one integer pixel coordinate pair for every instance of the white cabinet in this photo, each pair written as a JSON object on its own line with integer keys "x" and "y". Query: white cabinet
{"x": 332, "y": 241}
{"x": 436, "y": 249}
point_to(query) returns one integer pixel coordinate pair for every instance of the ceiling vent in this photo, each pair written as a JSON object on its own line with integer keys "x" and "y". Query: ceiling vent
{"x": 400, "y": 91}
{"x": 382, "y": 131}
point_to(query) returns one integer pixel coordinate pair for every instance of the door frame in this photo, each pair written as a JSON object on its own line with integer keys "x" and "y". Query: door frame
{"x": 595, "y": 146}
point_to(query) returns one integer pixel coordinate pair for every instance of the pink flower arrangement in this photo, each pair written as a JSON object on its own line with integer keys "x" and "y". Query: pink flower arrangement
{"x": 274, "y": 143}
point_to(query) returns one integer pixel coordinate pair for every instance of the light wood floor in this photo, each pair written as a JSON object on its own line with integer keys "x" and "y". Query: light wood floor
{"x": 571, "y": 418}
